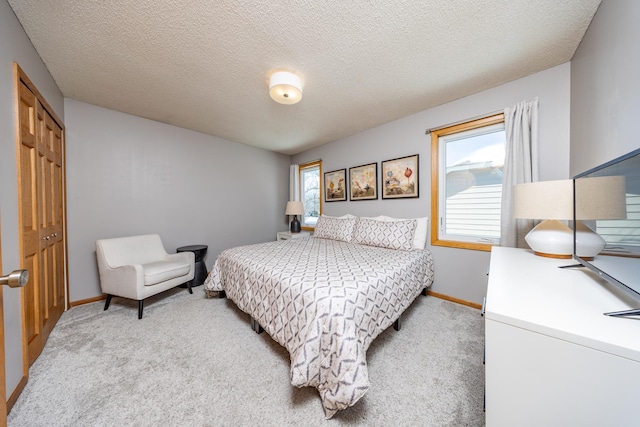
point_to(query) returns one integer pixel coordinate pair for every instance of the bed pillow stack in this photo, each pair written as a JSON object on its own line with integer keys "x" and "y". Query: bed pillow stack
{"x": 334, "y": 228}
{"x": 382, "y": 231}
{"x": 386, "y": 234}
{"x": 422, "y": 228}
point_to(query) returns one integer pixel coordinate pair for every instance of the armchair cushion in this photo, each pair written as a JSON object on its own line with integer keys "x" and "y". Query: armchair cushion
{"x": 159, "y": 271}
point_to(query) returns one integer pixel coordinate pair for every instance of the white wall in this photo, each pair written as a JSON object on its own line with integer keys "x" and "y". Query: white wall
{"x": 15, "y": 46}
{"x": 605, "y": 87}
{"x": 128, "y": 175}
{"x": 458, "y": 273}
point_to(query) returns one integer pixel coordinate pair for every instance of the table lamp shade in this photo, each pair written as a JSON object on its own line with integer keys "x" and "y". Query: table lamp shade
{"x": 601, "y": 198}
{"x": 544, "y": 200}
{"x": 294, "y": 208}
{"x": 597, "y": 198}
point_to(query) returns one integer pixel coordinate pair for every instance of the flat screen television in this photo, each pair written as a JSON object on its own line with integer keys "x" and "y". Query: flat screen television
{"x": 619, "y": 226}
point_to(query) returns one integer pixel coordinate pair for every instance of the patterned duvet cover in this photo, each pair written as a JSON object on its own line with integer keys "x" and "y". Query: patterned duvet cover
{"x": 324, "y": 301}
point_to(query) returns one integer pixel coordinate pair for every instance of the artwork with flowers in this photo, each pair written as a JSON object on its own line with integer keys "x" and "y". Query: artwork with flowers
{"x": 335, "y": 189}
{"x": 400, "y": 177}
{"x": 363, "y": 182}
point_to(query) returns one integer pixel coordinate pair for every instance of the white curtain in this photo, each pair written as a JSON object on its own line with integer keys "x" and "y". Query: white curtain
{"x": 520, "y": 166}
{"x": 294, "y": 183}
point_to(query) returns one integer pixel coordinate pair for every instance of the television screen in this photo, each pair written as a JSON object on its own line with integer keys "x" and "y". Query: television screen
{"x": 607, "y": 200}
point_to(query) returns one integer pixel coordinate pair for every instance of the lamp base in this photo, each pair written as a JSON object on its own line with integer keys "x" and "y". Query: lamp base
{"x": 553, "y": 239}
{"x": 557, "y": 256}
{"x": 295, "y": 225}
{"x": 588, "y": 242}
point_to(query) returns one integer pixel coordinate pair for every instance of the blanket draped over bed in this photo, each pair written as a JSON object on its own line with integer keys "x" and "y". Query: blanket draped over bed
{"x": 324, "y": 301}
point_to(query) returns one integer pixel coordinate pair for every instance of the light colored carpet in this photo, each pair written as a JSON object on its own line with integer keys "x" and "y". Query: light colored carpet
{"x": 193, "y": 361}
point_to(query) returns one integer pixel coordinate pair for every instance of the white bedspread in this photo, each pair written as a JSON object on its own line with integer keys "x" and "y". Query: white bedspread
{"x": 324, "y": 301}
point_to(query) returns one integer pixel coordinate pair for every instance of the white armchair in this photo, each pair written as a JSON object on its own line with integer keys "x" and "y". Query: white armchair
{"x": 138, "y": 267}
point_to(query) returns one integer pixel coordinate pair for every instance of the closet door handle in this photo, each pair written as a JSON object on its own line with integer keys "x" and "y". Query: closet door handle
{"x": 46, "y": 238}
{"x": 15, "y": 279}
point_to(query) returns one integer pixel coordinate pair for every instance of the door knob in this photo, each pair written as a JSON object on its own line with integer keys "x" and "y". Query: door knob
{"x": 15, "y": 279}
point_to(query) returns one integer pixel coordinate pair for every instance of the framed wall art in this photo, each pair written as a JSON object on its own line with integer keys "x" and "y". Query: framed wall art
{"x": 363, "y": 182}
{"x": 400, "y": 178}
{"x": 335, "y": 186}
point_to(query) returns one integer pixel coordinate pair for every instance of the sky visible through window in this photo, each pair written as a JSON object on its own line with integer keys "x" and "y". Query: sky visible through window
{"x": 485, "y": 148}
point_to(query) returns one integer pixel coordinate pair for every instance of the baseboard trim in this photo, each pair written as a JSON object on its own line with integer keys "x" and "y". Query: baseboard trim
{"x": 16, "y": 393}
{"x": 456, "y": 300}
{"x": 87, "y": 301}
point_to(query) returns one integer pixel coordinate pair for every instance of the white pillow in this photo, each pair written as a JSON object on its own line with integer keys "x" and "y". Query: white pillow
{"x": 385, "y": 234}
{"x": 422, "y": 229}
{"x": 340, "y": 217}
{"x": 329, "y": 227}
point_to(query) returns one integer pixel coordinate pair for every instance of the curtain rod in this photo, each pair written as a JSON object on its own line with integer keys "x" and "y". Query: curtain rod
{"x": 428, "y": 131}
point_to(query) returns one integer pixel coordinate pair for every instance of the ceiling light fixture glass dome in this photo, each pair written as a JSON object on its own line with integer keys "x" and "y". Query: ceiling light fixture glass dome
{"x": 285, "y": 88}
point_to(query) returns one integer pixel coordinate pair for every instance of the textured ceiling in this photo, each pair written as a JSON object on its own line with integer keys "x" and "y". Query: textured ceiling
{"x": 205, "y": 65}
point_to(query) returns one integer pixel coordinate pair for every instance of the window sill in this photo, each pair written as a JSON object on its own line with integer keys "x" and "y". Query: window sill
{"x": 464, "y": 245}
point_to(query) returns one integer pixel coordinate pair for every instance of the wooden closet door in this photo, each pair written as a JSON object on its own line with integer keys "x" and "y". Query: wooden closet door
{"x": 41, "y": 211}
{"x": 3, "y": 390}
{"x": 55, "y": 216}
{"x": 50, "y": 224}
{"x": 33, "y": 297}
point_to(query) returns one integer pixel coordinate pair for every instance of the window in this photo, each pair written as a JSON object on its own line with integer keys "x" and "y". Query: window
{"x": 466, "y": 173}
{"x": 310, "y": 193}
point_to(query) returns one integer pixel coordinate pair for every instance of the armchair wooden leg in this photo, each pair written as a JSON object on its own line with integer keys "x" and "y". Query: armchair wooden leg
{"x": 140, "y": 307}
{"x": 106, "y": 304}
{"x": 189, "y": 286}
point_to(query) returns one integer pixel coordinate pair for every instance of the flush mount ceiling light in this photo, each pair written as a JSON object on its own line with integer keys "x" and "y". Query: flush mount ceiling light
{"x": 285, "y": 88}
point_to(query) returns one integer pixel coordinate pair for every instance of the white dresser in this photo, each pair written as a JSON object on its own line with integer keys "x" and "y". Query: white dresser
{"x": 552, "y": 358}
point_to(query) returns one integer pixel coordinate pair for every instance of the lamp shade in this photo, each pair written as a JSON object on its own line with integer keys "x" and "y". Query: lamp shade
{"x": 294, "y": 208}
{"x": 596, "y": 198}
{"x": 601, "y": 197}
{"x": 285, "y": 88}
{"x": 544, "y": 200}
{"x": 552, "y": 201}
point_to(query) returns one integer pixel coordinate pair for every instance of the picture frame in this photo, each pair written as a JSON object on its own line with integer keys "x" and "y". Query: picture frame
{"x": 335, "y": 186}
{"x": 363, "y": 182}
{"x": 400, "y": 178}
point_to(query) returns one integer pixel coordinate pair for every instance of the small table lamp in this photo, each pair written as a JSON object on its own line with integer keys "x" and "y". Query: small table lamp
{"x": 552, "y": 201}
{"x": 295, "y": 209}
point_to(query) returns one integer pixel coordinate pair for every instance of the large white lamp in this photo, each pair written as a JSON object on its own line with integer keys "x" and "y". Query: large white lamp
{"x": 295, "y": 209}
{"x": 285, "y": 88}
{"x": 552, "y": 201}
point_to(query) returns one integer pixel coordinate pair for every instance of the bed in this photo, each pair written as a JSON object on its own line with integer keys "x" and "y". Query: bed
{"x": 325, "y": 298}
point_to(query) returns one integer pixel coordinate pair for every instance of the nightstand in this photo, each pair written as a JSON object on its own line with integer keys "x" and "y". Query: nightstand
{"x": 286, "y": 235}
{"x": 200, "y": 273}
